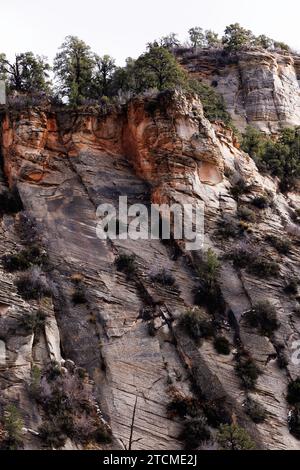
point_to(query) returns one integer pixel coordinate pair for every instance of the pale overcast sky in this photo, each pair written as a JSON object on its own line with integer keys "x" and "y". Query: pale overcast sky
{"x": 121, "y": 28}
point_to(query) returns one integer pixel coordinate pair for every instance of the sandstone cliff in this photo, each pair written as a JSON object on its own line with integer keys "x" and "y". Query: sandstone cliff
{"x": 155, "y": 149}
{"x": 259, "y": 87}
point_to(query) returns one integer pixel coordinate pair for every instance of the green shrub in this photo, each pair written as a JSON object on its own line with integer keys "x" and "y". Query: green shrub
{"x": 233, "y": 437}
{"x": 256, "y": 412}
{"x": 279, "y": 157}
{"x": 35, "y": 381}
{"x": 246, "y": 214}
{"x": 195, "y": 432}
{"x": 196, "y": 325}
{"x": 281, "y": 245}
{"x": 264, "y": 317}
{"x": 213, "y": 103}
{"x": 293, "y": 395}
{"x": 208, "y": 292}
{"x": 247, "y": 371}
{"x": 13, "y": 424}
{"x": 253, "y": 143}
{"x": 222, "y": 345}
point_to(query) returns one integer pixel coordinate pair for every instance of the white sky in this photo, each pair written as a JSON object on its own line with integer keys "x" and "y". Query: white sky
{"x": 121, "y": 28}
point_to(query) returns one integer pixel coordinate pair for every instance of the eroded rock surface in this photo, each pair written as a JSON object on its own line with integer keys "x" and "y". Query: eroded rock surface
{"x": 156, "y": 149}
{"x": 259, "y": 87}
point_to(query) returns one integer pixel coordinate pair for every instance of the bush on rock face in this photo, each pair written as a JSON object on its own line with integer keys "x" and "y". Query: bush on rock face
{"x": 264, "y": 317}
{"x": 247, "y": 371}
{"x": 196, "y": 324}
{"x": 222, "y": 345}
{"x": 126, "y": 264}
{"x": 233, "y": 437}
{"x": 163, "y": 276}
{"x": 33, "y": 285}
{"x": 256, "y": 412}
{"x": 195, "y": 432}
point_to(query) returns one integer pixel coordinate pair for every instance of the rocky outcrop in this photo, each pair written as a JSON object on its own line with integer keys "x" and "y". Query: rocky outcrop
{"x": 160, "y": 149}
{"x": 259, "y": 87}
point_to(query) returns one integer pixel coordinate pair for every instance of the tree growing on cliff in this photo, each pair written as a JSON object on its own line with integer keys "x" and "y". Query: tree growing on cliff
{"x": 212, "y": 39}
{"x": 102, "y": 78}
{"x": 264, "y": 41}
{"x": 157, "y": 68}
{"x": 123, "y": 79}
{"x": 236, "y": 37}
{"x": 73, "y": 67}
{"x": 28, "y": 73}
{"x": 170, "y": 41}
{"x": 213, "y": 103}
{"x": 197, "y": 36}
{"x": 233, "y": 437}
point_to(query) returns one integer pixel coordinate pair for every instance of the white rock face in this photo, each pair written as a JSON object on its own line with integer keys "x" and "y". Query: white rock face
{"x": 259, "y": 87}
